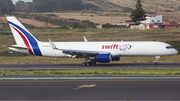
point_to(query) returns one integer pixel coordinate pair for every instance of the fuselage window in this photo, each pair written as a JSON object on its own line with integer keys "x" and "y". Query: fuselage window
{"x": 169, "y": 47}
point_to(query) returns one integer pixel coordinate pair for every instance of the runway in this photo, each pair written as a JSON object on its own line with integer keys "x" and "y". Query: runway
{"x": 79, "y": 66}
{"x": 120, "y": 90}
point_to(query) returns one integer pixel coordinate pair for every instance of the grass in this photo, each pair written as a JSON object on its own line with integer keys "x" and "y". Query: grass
{"x": 48, "y": 60}
{"x": 147, "y": 1}
{"x": 97, "y": 72}
{"x": 97, "y": 18}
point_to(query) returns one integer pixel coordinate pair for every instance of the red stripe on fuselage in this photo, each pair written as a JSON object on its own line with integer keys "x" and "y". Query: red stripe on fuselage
{"x": 25, "y": 41}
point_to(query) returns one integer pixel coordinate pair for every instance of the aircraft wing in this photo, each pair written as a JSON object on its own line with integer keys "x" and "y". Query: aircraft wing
{"x": 79, "y": 53}
{"x": 75, "y": 53}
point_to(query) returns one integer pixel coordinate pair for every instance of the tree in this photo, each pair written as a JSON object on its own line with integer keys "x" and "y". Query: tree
{"x": 126, "y": 10}
{"x": 75, "y": 25}
{"x": 138, "y": 14}
{"x": 6, "y": 6}
{"x": 20, "y": 2}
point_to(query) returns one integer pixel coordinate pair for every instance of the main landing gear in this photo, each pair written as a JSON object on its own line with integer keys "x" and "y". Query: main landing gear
{"x": 156, "y": 61}
{"x": 86, "y": 63}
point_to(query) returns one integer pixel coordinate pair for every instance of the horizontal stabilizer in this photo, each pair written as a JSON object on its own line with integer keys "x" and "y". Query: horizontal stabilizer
{"x": 18, "y": 47}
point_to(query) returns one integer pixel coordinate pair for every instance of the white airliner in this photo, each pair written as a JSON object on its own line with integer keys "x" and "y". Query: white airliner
{"x": 92, "y": 51}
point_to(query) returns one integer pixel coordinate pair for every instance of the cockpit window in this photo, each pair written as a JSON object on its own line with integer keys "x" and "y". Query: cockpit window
{"x": 169, "y": 47}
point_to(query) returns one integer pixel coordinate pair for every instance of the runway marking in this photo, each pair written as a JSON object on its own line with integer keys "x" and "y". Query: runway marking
{"x": 86, "y": 86}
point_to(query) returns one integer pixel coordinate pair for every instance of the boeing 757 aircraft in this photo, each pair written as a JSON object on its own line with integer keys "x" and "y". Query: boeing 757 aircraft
{"x": 92, "y": 51}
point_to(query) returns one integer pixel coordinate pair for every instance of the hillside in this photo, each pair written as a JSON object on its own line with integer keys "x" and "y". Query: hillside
{"x": 148, "y": 5}
{"x": 31, "y": 22}
{"x": 106, "y": 11}
{"x": 170, "y": 9}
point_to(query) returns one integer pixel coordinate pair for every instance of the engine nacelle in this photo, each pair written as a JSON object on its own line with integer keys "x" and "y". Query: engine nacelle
{"x": 116, "y": 58}
{"x": 103, "y": 58}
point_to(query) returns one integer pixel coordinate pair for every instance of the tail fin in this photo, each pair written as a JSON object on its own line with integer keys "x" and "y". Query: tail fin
{"x": 23, "y": 36}
{"x": 19, "y": 31}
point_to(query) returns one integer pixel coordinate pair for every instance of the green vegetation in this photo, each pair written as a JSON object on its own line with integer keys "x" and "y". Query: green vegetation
{"x": 53, "y": 19}
{"x": 168, "y": 11}
{"x": 5, "y": 31}
{"x": 6, "y": 6}
{"x": 138, "y": 14}
{"x": 60, "y": 5}
{"x": 126, "y": 10}
{"x": 56, "y": 5}
{"x": 20, "y": 2}
{"x": 97, "y": 72}
{"x": 40, "y": 60}
{"x": 148, "y": 1}
{"x": 76, "y": 25}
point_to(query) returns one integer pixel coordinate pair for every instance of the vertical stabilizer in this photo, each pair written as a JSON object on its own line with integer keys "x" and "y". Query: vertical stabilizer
{"x": 17, "y": 29}
{"x": 23, "y": 36}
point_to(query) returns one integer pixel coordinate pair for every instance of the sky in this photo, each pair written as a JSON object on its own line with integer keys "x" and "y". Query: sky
{"x": 14, "y": 1}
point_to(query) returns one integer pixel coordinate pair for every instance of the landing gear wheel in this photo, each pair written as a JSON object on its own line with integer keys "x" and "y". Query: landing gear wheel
{"x": 84, "y": 64}
{"x": 88, "y": 64}
{"x": 155, "y": 63}
{"x": 93, "y": 63}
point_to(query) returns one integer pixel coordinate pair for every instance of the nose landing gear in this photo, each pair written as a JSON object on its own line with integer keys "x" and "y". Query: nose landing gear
{"x": 156, "y": 61}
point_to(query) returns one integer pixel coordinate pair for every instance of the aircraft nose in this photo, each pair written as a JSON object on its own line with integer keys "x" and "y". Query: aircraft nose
{"x": 175, "y": 51}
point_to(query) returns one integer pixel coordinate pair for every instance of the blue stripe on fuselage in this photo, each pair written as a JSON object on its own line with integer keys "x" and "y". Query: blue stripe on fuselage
{"x": 32, "y": 41}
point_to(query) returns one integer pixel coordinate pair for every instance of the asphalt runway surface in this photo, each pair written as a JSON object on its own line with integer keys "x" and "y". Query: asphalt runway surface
{"x": 120, "y": 90}
{"x": 79, "y": 66}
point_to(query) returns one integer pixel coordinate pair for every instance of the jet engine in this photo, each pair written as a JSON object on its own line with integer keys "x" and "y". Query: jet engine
{"x": 103, "y": 58}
